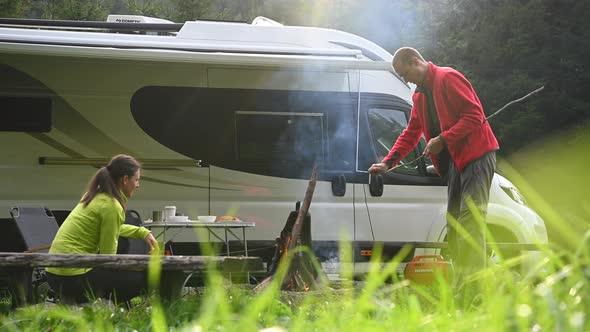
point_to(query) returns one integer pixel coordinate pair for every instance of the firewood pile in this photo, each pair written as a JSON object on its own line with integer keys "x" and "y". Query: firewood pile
{"x": 304, "y": 272}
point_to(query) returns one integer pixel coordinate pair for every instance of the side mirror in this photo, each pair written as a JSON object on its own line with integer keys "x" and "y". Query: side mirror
{"x": 376, "y": 185}
{"x": 339, "y": 185}
{"x": 430, "y": 170}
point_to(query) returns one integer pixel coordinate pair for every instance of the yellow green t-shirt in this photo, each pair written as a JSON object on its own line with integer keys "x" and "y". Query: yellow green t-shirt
{"x": 94, "y": 229}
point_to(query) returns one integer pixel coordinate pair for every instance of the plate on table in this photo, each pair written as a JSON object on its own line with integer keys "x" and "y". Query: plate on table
{"x": 206, "y": 218}
{"x": 180, "y": 219}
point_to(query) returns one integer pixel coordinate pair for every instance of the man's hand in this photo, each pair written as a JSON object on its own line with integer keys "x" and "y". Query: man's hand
{"x": 434, "y": 146}
{"x": 378, "y": 168}
{"x": 152, "y": 243}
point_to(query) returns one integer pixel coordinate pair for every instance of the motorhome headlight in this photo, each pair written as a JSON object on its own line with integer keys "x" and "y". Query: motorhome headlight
{"x": 513, "y": 193}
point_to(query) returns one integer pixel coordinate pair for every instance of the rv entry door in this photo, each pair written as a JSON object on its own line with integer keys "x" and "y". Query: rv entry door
{"x": 411, "y": 199}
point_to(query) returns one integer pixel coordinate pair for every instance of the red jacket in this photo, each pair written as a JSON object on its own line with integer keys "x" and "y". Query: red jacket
{"x": 461, "y": 119}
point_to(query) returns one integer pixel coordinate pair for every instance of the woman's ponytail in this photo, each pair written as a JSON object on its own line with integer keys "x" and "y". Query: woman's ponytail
{"x": 106, "y": 178}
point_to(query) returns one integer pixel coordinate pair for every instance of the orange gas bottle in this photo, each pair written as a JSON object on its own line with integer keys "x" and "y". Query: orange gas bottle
{"x": 423, "y": 269}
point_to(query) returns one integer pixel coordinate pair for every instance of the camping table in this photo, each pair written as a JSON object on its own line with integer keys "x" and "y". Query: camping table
{"x": 211, "y": 227}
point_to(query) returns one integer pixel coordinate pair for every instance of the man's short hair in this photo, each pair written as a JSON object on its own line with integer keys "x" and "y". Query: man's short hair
{"x": 405, "y": 54}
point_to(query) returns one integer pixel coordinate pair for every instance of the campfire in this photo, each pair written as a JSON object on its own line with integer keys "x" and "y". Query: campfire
{"x": 294, "y": 248}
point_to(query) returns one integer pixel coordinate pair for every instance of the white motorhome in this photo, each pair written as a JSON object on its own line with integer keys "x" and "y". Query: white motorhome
{"x": 228, "y": 119}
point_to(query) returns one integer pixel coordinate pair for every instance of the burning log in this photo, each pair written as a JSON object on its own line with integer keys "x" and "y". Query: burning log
{"x": 303, "y": 273}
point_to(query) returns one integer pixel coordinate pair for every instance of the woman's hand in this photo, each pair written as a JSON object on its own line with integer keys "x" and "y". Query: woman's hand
{"x": 152, "y": 243}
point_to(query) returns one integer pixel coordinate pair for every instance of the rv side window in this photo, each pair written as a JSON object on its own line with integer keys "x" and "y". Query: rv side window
{"x": 386, "y": 125}
{"x": 280, "y": 137}
{"x": 25, "y": 114}
{"x": 267, "y": 132}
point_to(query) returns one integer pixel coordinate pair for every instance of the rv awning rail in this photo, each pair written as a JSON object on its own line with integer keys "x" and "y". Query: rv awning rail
{"x": 165, "y": 43}
{"x": 99, "y": 162}
{"x": 214, "y": 56}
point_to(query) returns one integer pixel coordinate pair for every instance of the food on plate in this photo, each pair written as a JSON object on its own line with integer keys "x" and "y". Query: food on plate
{"x": 226, "y": 218}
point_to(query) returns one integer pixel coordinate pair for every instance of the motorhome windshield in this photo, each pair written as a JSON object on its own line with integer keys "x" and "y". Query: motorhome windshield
{"x": 386, "y": 125}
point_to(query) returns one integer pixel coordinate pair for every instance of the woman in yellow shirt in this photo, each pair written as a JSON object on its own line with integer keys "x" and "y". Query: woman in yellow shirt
{"x": 94, "y": 227}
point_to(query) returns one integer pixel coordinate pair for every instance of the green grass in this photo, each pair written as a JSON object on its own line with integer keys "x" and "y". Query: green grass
{"x": 554, "y": 296}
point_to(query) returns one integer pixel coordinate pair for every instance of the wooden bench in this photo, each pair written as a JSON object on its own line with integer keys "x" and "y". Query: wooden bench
{"x": 175, "y": 270}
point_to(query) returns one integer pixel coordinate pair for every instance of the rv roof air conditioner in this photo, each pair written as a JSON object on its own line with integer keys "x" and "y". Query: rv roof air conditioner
{"x": 264, "y": 21}
{"x": 135, "y": 19}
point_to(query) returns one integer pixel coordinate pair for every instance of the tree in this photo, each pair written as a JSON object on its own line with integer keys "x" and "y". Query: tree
{"x": 14, "y": 8}
{"x": 83, "y": 10}
{"x": 152, "y": 8}
{"x": 189, "y": 10}
{"x": 508, "y": 48}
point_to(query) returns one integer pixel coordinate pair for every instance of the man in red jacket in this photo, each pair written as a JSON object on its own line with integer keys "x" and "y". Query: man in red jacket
{"x": 461, "y": 145}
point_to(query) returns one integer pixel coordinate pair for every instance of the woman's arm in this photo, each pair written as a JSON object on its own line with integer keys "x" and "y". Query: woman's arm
{"x": 133, "y": 232}
{"x": 110, "y": 219}
{"x": 140, "y": 233}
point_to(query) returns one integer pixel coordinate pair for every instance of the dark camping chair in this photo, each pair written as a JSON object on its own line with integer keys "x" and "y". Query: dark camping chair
{"x": 36, "y": 227}
{"x": 60, "y": 216}
{"x": 132, "y": 246}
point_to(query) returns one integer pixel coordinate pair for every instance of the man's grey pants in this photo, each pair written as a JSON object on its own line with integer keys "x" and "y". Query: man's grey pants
{"x": 472, "y": 183}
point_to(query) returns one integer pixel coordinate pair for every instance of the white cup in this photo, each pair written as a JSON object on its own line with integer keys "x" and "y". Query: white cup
{"x": 169, "y": 213}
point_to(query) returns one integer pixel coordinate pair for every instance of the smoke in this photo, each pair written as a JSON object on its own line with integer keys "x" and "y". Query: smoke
{"x": 389, "y": 24}
{"x": 316, "y": 129}
{"x": 328, "y": 256}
